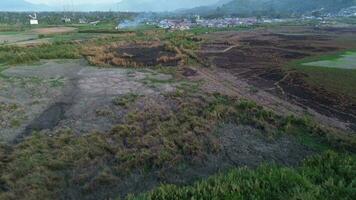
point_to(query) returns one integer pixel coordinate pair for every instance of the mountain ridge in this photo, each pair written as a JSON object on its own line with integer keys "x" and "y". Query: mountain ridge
{"x": 272, "y": 7}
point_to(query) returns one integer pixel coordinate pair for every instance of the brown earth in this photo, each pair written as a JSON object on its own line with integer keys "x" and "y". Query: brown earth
{"x": 54, "y": 30}
{"x": 259, "y": 58}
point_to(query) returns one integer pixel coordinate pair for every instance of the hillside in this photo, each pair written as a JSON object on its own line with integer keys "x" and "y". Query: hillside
{"x": 273, "y": 7}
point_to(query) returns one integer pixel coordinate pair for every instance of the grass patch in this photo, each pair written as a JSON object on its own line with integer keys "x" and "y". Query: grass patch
{"x": 335, "y": 80}
{"x": 125, "y": 100}
{"x": 328, "y": 176}
{"x": 12, "y": 55}
{"x": 344, "y": 61}
{"x": 11, "y": 115}
{"x": 160, "y": 134}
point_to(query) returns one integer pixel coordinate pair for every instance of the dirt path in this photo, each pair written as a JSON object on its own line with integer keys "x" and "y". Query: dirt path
{"x": 218, "y": 51}
{"x": 54, "y": 30}
{"x": 219, "y": 80}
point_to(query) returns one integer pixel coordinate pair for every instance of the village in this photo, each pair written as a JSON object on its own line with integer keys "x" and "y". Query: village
{"x": 186, "y": 24}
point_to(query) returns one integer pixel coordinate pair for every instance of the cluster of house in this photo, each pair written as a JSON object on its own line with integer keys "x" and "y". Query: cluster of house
{"x": 226, "y": 22}
{"x": 34, "y": 20}
{"x": 348, "y": 12}
{"x": 175, "y": 24}
{"x": 185, "y": 24}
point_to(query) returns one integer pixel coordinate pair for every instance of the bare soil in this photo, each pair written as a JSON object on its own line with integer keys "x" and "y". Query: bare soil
{"x": 83, "y": 92}
{"x": 54, "y": 30}
{"x": 84, "y": 104}
{"x": 259, "y": 58}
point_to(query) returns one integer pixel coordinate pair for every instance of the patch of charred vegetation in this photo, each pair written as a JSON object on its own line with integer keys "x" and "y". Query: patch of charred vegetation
{"x": 156, "y": 136}
{"x": 137, "y": 54}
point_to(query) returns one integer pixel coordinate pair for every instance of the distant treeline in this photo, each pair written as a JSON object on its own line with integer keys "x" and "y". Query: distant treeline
{"x": 55, "y": 18}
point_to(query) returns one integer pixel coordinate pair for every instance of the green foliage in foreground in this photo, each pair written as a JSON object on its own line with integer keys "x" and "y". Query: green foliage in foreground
{"x": 160, "y": 135}
{"x": 12, "y": 55}
{"x": 328, "y": 176}
{"x": 335, "y": 80}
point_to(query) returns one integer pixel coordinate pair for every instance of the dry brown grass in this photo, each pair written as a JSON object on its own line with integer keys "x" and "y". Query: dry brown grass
{"x": 107, "y": 55}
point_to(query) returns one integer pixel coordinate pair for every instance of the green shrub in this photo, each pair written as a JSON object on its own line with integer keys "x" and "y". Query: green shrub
{"x": 328, "y": 176}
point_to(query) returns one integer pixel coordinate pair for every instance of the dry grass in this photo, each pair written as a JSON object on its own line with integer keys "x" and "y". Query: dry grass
{"x": 159, "y": 134}
{"x": 107, "y": 56}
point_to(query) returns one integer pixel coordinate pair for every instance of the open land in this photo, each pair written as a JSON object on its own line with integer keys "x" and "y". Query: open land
{"x": 265, "y": 60}
{"x": 91, "y": 115}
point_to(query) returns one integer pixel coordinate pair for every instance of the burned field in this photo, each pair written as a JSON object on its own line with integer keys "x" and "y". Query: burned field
{"x": 142, "y": 116}
{"x": 135, "y": 55}
{"x": 263, "y": 58}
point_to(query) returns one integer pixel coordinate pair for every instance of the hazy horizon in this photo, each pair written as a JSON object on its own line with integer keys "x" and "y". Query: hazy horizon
{"x": 103, "y": 5}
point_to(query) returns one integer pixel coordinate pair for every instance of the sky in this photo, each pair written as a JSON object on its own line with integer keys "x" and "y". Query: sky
{"x": 124, "y": 5}
{"x": 55, "y": 2}
{"x": 78, "y": 2}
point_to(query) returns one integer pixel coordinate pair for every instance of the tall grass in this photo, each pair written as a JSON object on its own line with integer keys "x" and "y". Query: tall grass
{"x": 328, "y": 176}
{"x": 156, "y": 136}
{"x": 12, "y": 55}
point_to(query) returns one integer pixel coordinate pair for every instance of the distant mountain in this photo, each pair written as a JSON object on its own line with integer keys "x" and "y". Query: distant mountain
{"x": 298, "y": 6}
{"x": 272, "y": 7}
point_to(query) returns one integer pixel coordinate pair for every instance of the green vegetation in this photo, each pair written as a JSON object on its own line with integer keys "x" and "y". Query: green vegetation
{"x": 327, "y": 176}
{"x": 11, "y": 55}
{"x": 125, "y": 100}
{"x": 11, "y": 115}
{"x": 20, "y": 19}
{"x": 183, "y": 39}
{"x": 206, "y": 30}
{"x": 345, "y": 61}
{"x": 11, "y": 28}
{"x": 275, "y": 9}
{"x": 153, "y": 137}
{"x": 337, "y": 80}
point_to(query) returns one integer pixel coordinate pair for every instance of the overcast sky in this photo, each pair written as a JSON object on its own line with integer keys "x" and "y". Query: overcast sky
{"x": 55, "y": 2}
{"x": 76, "y": 2}
{"x": 126, "y": 5}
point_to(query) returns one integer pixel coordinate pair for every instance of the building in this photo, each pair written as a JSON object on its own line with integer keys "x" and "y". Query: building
{"x": 33, "y": 19}
{"x": 82, "y": 21}
{"x": 94, "y": 23}
{"x": 66, "y": 20}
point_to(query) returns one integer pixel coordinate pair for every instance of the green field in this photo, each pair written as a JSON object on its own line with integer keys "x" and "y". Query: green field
{"x": 329, "y": 176}
{"x": 345, "y": 61}
{"x": 335, "y": 73}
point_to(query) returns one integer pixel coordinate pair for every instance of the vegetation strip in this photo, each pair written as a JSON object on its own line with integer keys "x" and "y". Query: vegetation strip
{"x": 327, "y": 176}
